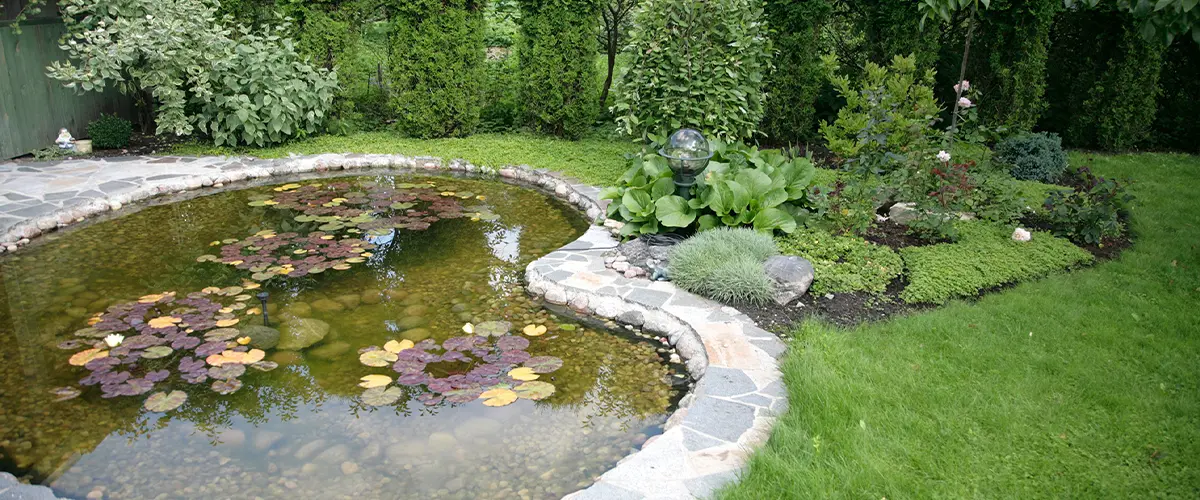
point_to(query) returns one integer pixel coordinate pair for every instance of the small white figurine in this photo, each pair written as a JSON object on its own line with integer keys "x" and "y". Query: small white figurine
{"x": 64, "y": 141}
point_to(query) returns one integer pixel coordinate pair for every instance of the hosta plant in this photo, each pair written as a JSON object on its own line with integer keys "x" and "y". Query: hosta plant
{"x": 741, "y": 187}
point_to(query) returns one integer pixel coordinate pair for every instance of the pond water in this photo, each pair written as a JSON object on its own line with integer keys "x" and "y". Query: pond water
{"x": 481, "y": 393}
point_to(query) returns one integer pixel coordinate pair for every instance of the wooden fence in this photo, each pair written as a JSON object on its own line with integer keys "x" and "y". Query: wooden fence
{"x": 33, "y": 106}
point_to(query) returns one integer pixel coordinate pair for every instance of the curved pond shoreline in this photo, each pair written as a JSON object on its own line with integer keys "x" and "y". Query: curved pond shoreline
{"x": 705, "y": 443}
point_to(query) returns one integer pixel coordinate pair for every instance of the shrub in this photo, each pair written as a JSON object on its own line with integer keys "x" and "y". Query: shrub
{"x": 1008, "y": 61}
{"x": 110, "y": 132}
{"x": 844, "y": 207}
{"x": 725, "y": 265}
{"x": 843, "y": 264}
{"x": 1103, "y": 79}
{"x": 1092, "y": 212}
{"x": 265, "y": 96}
{"x": 501, "y": 100}
{"x": 437, "y": 66}
{"x": 888, "y": 117}
{"x": 558, "y": 65}
{"x": 798, "y": 77}
{"x": 893, "y": 28}
{"x": 1033, "y": 157}
{"x": 742, "y": 186}
{"x": 699, "y": 64}
{"x": 238, "y": 86}
{"x": 985, "y": 256}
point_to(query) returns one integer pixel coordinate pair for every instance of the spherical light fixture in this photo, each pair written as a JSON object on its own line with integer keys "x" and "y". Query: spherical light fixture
{"x": 687, "y": 152}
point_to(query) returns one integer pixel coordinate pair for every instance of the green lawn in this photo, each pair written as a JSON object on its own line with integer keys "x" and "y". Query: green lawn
{"x": 1080, "y": 385}
{"x": 597, "y": 161}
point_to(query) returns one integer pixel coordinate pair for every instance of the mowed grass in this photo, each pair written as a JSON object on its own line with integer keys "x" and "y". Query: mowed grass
{"x": 597, "y": 160}
{"x": 1081, "y": 385}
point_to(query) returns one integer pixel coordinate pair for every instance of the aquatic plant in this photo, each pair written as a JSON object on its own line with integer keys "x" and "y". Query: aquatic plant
{"x": 133, "y": 346}
{"x": 498, "y": 371}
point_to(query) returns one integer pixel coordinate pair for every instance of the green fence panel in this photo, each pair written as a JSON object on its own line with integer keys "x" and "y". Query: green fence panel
{"x": 33, "y": 106}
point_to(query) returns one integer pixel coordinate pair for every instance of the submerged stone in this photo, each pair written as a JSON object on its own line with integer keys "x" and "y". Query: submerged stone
{"x": 261, "y": 337}
{"x": 329, "y": 351}
{"x": 327, "y": 306}
{"x": 410, "y": 322}
{"x": 416, "y": 334}
{"x": 300, "y": 333}
{"x": 350, "y": 301}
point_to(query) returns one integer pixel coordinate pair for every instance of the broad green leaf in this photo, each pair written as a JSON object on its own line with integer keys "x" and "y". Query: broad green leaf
{"x": 637, "y": 201}
{"x": 774, "y": 218}
{"x": 662, "y": 187}
{"x": 673, "y": 211}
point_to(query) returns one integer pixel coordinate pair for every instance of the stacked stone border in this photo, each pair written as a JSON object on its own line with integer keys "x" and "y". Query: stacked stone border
{"x": 738, "y": 391}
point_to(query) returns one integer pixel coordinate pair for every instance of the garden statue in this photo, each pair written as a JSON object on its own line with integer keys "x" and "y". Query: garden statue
{"x": 64, "y": 140}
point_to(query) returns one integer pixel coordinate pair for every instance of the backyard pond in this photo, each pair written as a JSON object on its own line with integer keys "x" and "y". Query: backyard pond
{"x": 400, "y": 357}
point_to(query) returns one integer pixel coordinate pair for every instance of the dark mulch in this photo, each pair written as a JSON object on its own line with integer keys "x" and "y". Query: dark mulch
{"x": 845, "y": 309}
{"x": 895, "y": 236}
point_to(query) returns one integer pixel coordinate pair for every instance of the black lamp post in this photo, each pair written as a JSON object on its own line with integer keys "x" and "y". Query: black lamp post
{"x": 262, "y": 297}
{"x": 687, "y": 152}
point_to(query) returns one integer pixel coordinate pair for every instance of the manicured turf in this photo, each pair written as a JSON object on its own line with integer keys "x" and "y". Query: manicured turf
{"x": 597, "y": 161}
{"x": 1080, "y": 385}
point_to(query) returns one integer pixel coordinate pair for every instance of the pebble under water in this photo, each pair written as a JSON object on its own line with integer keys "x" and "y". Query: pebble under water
{"x": 303, "y": 430}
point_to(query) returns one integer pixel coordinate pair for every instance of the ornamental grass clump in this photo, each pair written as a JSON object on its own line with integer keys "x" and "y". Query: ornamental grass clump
{"x": 725, "y": 265}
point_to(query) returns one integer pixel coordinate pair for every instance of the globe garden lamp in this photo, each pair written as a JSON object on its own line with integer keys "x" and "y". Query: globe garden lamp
{"x": 688, "y": 153}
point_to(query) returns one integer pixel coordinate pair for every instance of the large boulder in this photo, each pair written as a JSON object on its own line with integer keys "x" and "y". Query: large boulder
{"x": 792, "y": 276}
{"x": 261, "y": 337}
{"x": 300, "y": 333}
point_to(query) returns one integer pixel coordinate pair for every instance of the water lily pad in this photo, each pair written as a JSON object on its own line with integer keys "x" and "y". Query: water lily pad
{"x": 492, "y": 328}
{"x": 512, "y": 343}
{"x": 65, "y": 393}
{"x": 534, "y": 390}
{"x": 377, "y": 358}
{"x": 158, "y": 375}
{"x": 395, "y": 347}
{"x": 82, "y": 357}
{"x": 465, "y": 395}
{"x": 227, "y": 371}
{"x": 544, "y": 364}
{"x": 227, "y": 322}
{"x": 381, "y": 396}
{"x": 534, "y": 330}
{"x": 162, "y": 402}
{"x": 236, "y": 357}
{"x": 70, "y": 345}
{"x": 264, "y": 366}
{"x": 226, "y": 386}
{"x": 221, "y": 334}
{"x": 523, "y": 374}
{"x": 370, "y": 381}
{"x": 158, "y": 351}
{"x": 498, "y": 397}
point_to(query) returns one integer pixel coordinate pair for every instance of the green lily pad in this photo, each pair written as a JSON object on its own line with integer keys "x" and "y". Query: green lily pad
{"x": 222, "y": 334}
{"x": 158, "y": 351}
{"x": 492, "y": 328}
{"x": 265, "y": 366}
{"x": 381, "y": 396}
{"x": 402, "y": 205}
{"x": 227, "y": 386}
{"x": 161, "y": 402}
{"x": 544, "y": 364}
{"x": 534, "y": 390}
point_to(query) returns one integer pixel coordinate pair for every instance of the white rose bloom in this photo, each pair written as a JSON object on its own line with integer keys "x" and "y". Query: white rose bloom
{"x": 943, "y": 156}
{"x": 1021, "y": 235}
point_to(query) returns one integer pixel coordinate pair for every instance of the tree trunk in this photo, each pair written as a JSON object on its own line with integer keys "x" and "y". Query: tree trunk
{"x": 962, "y": 74}
{"x": 612, "y": 62}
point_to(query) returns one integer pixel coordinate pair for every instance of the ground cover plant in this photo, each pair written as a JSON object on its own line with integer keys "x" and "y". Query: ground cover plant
{"x": 843, "y": 263}
{"x": 1075, "y": 385}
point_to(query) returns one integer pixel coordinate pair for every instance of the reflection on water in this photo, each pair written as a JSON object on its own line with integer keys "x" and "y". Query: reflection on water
{"x": 301, "y": 430}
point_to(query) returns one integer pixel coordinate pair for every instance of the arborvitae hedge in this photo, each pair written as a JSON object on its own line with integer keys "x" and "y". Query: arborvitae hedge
{"x": 793, "y": 87}
{"x": 557, "y": 54}
{"x": 437, "y": 66}
{"x": 1103, "y": 80}
{"x": 1008, "y": 61}
{"x": 893, "y": 28}
{"x": 1177, "y": 125}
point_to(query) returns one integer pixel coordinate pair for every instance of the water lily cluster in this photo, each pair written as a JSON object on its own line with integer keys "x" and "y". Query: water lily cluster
{"x": 133, "y": 346}
{"x": 488, "y": 364}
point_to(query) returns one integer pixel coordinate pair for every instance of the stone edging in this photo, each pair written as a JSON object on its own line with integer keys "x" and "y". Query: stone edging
{"x": 705, "y": 443}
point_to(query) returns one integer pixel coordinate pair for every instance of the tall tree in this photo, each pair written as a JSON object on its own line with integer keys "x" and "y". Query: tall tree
{"x": 616, "y": 17}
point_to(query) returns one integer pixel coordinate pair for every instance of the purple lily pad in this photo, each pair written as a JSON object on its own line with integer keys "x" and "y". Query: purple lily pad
{"x": 158, "y": 376}
{"x": 460, "y": 343}
{"x": 412, "y": 379}
{"x": 463, "y": 395}
{"x": 512, "y": 343}
{"x": 407, "y": 366}
{"x": 544, "y": 364}
{"x": 186, "y": 343}
{"x": 209, "y": 348}
{"x": 227, "y": 386}
{"x": 227, "y": 371}
{"x": 514, "y": 357}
